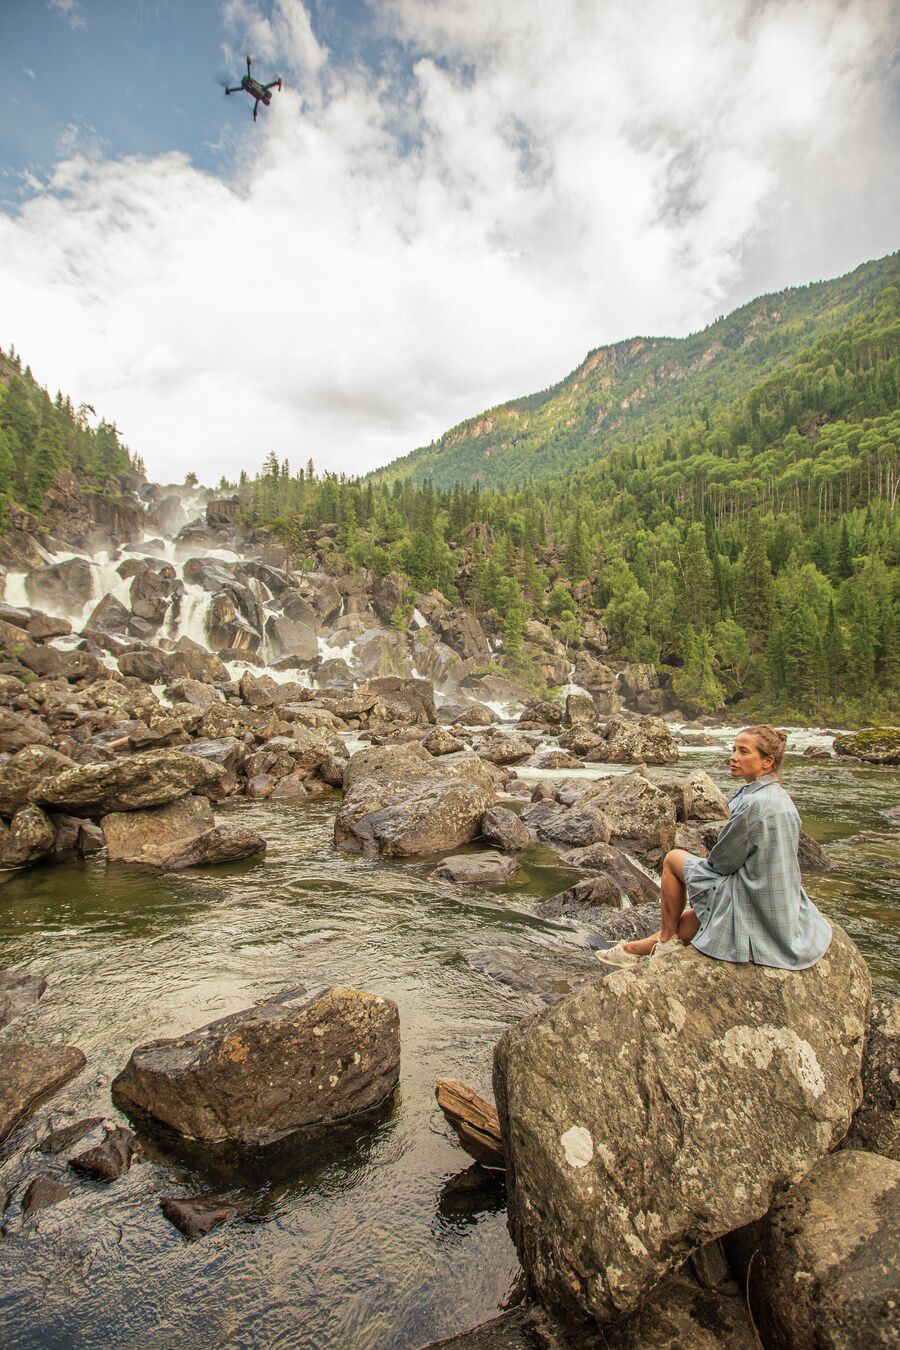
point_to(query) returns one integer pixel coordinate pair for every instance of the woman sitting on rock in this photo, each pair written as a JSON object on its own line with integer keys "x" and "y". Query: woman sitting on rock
{"x": 746, "y": 899}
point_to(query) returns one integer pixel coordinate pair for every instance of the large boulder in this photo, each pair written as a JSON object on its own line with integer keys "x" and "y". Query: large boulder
{"x": 504, "y": 829}
{"x": 289, "y": 637}
{"x": 273, "y": 1071}
{"x": 625, "y": 1106}
{"x": 29, "y": 1074}
{"x": 151, "y": 594}
{"x": 109, "y": 615}
{"x": 484, "y": 869}
{"x": 30, "y": 837}
{"x": 21, "y": 775}
{"x": 823, "y": 1267}
{"x": 72, "y": 666}
{"x": 639, "y": 815}
{"x": 142, "y": 836}
{"x": 61, "y": 587}
{"x": 876, "y": 1125}
{"x": 191, "y": 661}
{"x": 875, "y": 745}
{"x": 648, "y": 741}
{"x": 150, "y": 779}
{"x": 399, "y": 802}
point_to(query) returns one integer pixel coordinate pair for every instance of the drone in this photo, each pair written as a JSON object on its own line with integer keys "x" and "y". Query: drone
{"x": 262, "y": 93}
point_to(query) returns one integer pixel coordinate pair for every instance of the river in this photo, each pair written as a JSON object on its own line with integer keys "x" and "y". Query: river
{"x": 378, "y": 1244}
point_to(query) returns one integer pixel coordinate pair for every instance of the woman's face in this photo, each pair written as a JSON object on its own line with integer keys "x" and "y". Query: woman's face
{"x": 746, "y": 761}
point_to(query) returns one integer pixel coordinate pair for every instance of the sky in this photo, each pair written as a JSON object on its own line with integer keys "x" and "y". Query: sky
{"x": 448, "y": 205}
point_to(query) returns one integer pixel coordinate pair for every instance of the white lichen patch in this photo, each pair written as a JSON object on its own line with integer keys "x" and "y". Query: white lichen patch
{"x": 578, "y": 1146}
{"x": 677, "y": 1014}
{"x": 757, "y": 1045}
{"x": 634, "y": 1244}
{"x": 606, "y": 1156}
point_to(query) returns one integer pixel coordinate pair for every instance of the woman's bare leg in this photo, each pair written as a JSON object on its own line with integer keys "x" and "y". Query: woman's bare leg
{"x": 672, "y": 901}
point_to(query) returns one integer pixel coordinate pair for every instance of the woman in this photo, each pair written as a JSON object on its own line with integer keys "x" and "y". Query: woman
{"x": 746, "y": 900}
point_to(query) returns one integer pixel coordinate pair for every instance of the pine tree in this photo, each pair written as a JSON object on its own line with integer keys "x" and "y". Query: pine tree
{"x": 755, "y": 588}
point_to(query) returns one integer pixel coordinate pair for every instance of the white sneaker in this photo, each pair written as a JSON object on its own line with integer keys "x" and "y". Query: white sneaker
{"x": 674, "y": 944}
{"x": 617, "y": 956}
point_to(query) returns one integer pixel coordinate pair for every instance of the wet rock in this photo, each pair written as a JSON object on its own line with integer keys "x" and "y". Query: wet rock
{"x": 876, "y": 1125}
{"x": 144, "y": 664}
{"x": 811, "y": 855}
{"x": 647, "y": 741}
{"x": 191, "y": 661}
{"x": 42, "y": 627}
{"x": 229, "y": 754}
{"x": 145, "y": 836}
{"x": 293, "y": 785}
{"x": 19, "y": 993}
{"x": 58, "y": 1141}
{"x": 197, "y": 1215}
{"x": 29, "y": 1074}
{"x": 502, "y": 827}
{"x": 575, "y": 828}
{"x": 581, "y": 710}
{"x": 467, "y": 869}
{"x": 503, "y": 749}
{"x": 109, "y": 616}
{"x": 110, "y": 1159}
{"x": 289, "y": 637}
{"x": 150, "y": 779}
{"x": 151, "y": 594}
{"x": 541, "y": 979}
{"x": 21, "y": 775}
{"x": 640, "y": 815}
{"x": 72, "y": 666}
{"x": 475, "y": 1121}
{"x": 875, "y": 745}
{"x": 823, "y": 1266}
{"x": 440, "y": 741}
{"x": 626, "y": 884}
{"x": 260, "y": 1076}
{"x": 398, "y": 802}
{"x": 632, "y": 882}
{"x": 29, "y": 838}
{"x": 223, "y": 844}
{"x": 611, "y": 1190}
{"x": 43, "y": 1192}
{"x": 228, "y": 628}
{"x": 61, "y": 586}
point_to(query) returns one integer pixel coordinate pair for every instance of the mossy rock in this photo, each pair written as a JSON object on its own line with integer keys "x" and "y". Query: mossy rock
{"x": 875, "y": 745}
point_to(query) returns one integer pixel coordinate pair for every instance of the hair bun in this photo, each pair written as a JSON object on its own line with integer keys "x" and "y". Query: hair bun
{"x": 782, "y": 736}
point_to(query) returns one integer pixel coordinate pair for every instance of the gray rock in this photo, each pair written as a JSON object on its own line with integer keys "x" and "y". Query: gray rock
{"x": 52, "y": 663}
{"x": 289, "y": 637}
{"x": 42, "y": 627}
{"x": 503, "y": 749}
{"x": 440, "y": 741}
{"x": 30, "y": 837}
{"x": 150, "y": 779}
{"x": 640, "y": 815}
{"x": 144, "y": 664}
{"x": 647, "y": 741}
{"x": 504, "y": 829}
{"x": 110, "y": 1159}
{"x": 223, "y": 844}
{"x": 258, "y": 1077}
{"x": 66, "y": 585}
{"x": 622, "y": 884}
{"x": 822, "y": 1268}
{"x": 546, "y": 978}
{"x": 876, "y": 1125}
{"x": 29, "y": 1074}
{"x": 145, "y": 836}
{"x": 488, "y": 869}
{"x": 197, "y": 1215}
{"x": 632, "y": 884}
{"x": 619, "y": 1130}
{"x": 191, "y": 661}
{"x": 59, "y": 1140}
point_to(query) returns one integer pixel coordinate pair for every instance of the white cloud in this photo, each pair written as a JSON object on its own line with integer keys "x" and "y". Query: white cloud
{"x": 26, "y": 70}
{"x": 554, "y": 176}
{"x": 70, "y": 10}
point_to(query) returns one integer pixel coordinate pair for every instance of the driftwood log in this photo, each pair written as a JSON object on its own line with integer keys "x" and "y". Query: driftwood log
{"x": 475, "y": 1121}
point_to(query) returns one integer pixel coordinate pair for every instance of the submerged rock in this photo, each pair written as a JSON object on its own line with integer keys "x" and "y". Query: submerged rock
{"x": 19, "y": 992}
{"x": 488, "y": 868}
{"x": 619, "y": 1130}
{"x": 823, "y": 1267}
{"x": 260, "y": 1076}
{"x": 29, "y": 1074}
{"x": 145, "y": 836}
{"x": 43, "y": 1192}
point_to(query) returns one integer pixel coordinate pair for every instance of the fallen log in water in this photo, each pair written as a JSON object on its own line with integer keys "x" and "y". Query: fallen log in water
{"x": 475, "y": 1121}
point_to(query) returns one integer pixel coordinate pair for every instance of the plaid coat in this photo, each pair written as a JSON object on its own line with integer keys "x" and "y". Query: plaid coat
{"x": 747, "y": 894}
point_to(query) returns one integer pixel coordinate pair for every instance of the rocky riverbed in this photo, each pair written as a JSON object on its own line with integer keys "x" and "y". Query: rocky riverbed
{"x": 328, "y": 797}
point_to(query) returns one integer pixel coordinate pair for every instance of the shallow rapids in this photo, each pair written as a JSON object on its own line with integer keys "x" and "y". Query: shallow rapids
{"x": 378, "y": 1246}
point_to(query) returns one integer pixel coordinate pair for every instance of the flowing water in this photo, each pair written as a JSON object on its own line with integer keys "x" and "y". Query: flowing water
{"x": 378, "y": 1242}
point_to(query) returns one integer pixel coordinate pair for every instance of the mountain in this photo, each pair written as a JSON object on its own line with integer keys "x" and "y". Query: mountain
{"x": 629, "y": 392}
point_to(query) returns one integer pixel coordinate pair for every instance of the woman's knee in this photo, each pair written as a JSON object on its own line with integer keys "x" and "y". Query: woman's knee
{"x": 688, "y": 926}
{"x": 674, "y": 862}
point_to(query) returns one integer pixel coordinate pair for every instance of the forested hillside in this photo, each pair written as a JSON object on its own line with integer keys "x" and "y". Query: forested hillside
{"x": 40, "y": 437}
{"x": 749, "y": 544}
{"x": 640, "y": 389}
{"x": 739, "y": 532}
